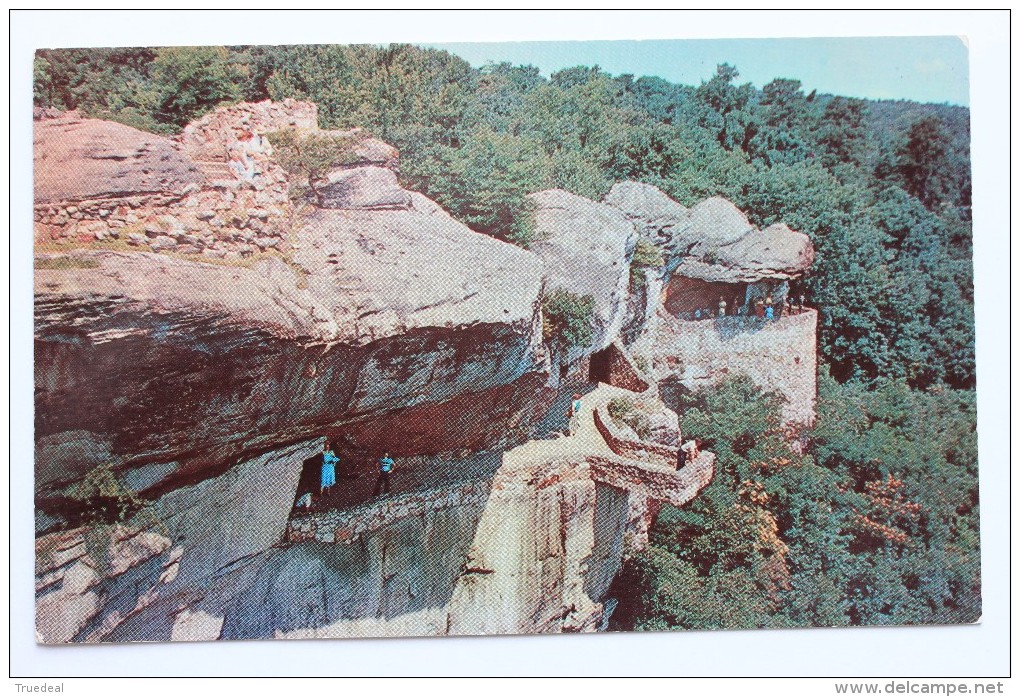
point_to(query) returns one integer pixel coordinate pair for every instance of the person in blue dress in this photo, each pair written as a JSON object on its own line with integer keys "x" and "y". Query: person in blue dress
{"x": 385, "y": 467}
{"x": 573, "y": 414}
{"x": 329, "y": 462}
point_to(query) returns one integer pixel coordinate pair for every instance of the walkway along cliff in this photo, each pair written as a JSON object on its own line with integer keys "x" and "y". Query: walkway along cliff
{"x": 201, "y": 325}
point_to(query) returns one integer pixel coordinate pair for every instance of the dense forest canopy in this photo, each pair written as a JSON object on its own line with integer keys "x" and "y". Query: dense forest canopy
{"x": 877, "y": 521}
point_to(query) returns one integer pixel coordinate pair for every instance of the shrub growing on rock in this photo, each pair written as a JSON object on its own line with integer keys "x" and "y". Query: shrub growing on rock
{"x": 646, "y": 256}
{"x": 566, "y": 319}
{"x": 308, "y": 157}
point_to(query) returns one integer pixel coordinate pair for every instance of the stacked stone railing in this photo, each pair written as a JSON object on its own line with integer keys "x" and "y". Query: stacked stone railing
{"x": 340, "y": 526}
{"x": 635, "y": 450}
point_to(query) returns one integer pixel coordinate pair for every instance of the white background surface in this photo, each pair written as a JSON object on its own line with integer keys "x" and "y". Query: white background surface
{"x": 979, "y": 650}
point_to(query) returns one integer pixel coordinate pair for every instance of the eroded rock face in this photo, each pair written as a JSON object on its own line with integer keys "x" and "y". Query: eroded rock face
{"x": 655, "y": 214}
{"x": 586, "y": 248}
{"x": 90, "y": 578}
{"x": 714, "y": 241}
{"x": 392, "y": 271}
{"x": 171, "y": 370}
{"x": 242, "y": 512}
{"x": 378, "y": 319}
{"x": 108, "y": 159}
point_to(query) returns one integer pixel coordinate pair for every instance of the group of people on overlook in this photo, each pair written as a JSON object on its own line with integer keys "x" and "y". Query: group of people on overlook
{"x": 763, "y": 308}
{"x": 327, "y": 478}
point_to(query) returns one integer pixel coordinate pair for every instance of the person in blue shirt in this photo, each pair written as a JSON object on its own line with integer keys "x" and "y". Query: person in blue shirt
{"x": 385, "y": 467}
{"x": 572, "y": 414}
{"x": 329, "y": 462}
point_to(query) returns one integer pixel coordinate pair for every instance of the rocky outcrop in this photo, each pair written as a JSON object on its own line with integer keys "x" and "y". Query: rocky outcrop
{"x": 654, "y": 213}
{"x": 586, "y": 248}
{"x": 205, "y": 388}
{"x": 373, "y": 318}
{"x": 777, "y": 252}
{"x": 714, "y": 241}
{"x": 529, "y": 548}
{"x": 89, "y": 579}
{"x": 93, "y": 579}
{"x": 77, "y": 159}
{"x": 102, "y": 183}
{"x": 718, "y": 263}
{"x": 362, "y": 187}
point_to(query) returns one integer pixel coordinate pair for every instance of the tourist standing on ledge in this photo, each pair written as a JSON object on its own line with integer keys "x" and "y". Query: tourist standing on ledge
{"x": 573, "y": 413}
{"x": 736, "y": 306}
{"x": 329, "y": 460}
{"x": 801, "y": 307}
{"x": 722, "y": 307}
{"x": 385, "y": 467}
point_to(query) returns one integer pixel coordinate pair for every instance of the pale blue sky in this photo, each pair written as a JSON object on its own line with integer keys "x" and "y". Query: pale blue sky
{"x": 922, "y": 69}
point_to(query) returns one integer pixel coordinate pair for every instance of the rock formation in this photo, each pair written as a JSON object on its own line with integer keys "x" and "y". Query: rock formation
{"x": 202, "y": 325}
{"x": 586, "y": 248}
{"x": 714, "y": 253}
{"x": 714, "y": 241}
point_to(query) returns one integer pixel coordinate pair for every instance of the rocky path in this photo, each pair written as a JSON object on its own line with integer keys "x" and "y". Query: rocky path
{"x": 651, "y": 477}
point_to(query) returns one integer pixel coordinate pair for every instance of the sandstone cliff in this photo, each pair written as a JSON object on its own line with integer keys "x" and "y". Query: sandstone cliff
{"x": 200, "y": 328}
{"x": 713, "y": 253}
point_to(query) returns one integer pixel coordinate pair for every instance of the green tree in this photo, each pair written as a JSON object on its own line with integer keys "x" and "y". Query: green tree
{"x": 567, "y": 319}
{"x": 924, "y": 163}
{"x": 308, "y": 157}
{"x": 489, "y": 178}
{"x": 190, "y": 81}
{"x": 727, "y": 113}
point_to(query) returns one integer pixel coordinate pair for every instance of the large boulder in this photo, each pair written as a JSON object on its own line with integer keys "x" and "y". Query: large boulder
{"x": 78, "y": 159}
{"x": 586, "y": 248}
{"x": 173, "y": 367}
{"x": 714, "y": 241}
{"x": 654, "y": 213}
{"x": 777, "y": 252}
{"x": 712, "y": 223}
{"x": 362, "y": 187}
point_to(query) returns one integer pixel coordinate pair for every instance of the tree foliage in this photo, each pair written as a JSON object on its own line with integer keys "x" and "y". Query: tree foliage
{"x": 878, "y": 525}
{"x": 308, "y": 157}
{"x": 567, "y": 319}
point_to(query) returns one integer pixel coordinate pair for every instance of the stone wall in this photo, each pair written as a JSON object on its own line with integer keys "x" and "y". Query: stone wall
{"x": 221, "y": 213}
{"x": 778, "y": 355}
{"x": 629, "y": 448}
{"x": 229, "y": 198}
{"x": 344, "y": 525}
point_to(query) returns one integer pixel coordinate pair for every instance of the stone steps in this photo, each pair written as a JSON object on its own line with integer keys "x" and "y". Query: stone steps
{"x": 216, "y": 172}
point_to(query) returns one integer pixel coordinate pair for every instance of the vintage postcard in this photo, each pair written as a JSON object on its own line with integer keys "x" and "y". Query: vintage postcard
{"x": 340, "y": 341}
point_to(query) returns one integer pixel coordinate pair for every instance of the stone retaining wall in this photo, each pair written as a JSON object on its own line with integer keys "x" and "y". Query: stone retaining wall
{"x": 663, "y": 455}
{"x": 342, "y": 526}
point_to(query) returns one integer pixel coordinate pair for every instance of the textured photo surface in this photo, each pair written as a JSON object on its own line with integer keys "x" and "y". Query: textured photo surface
{"x": 356, "y": 341}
